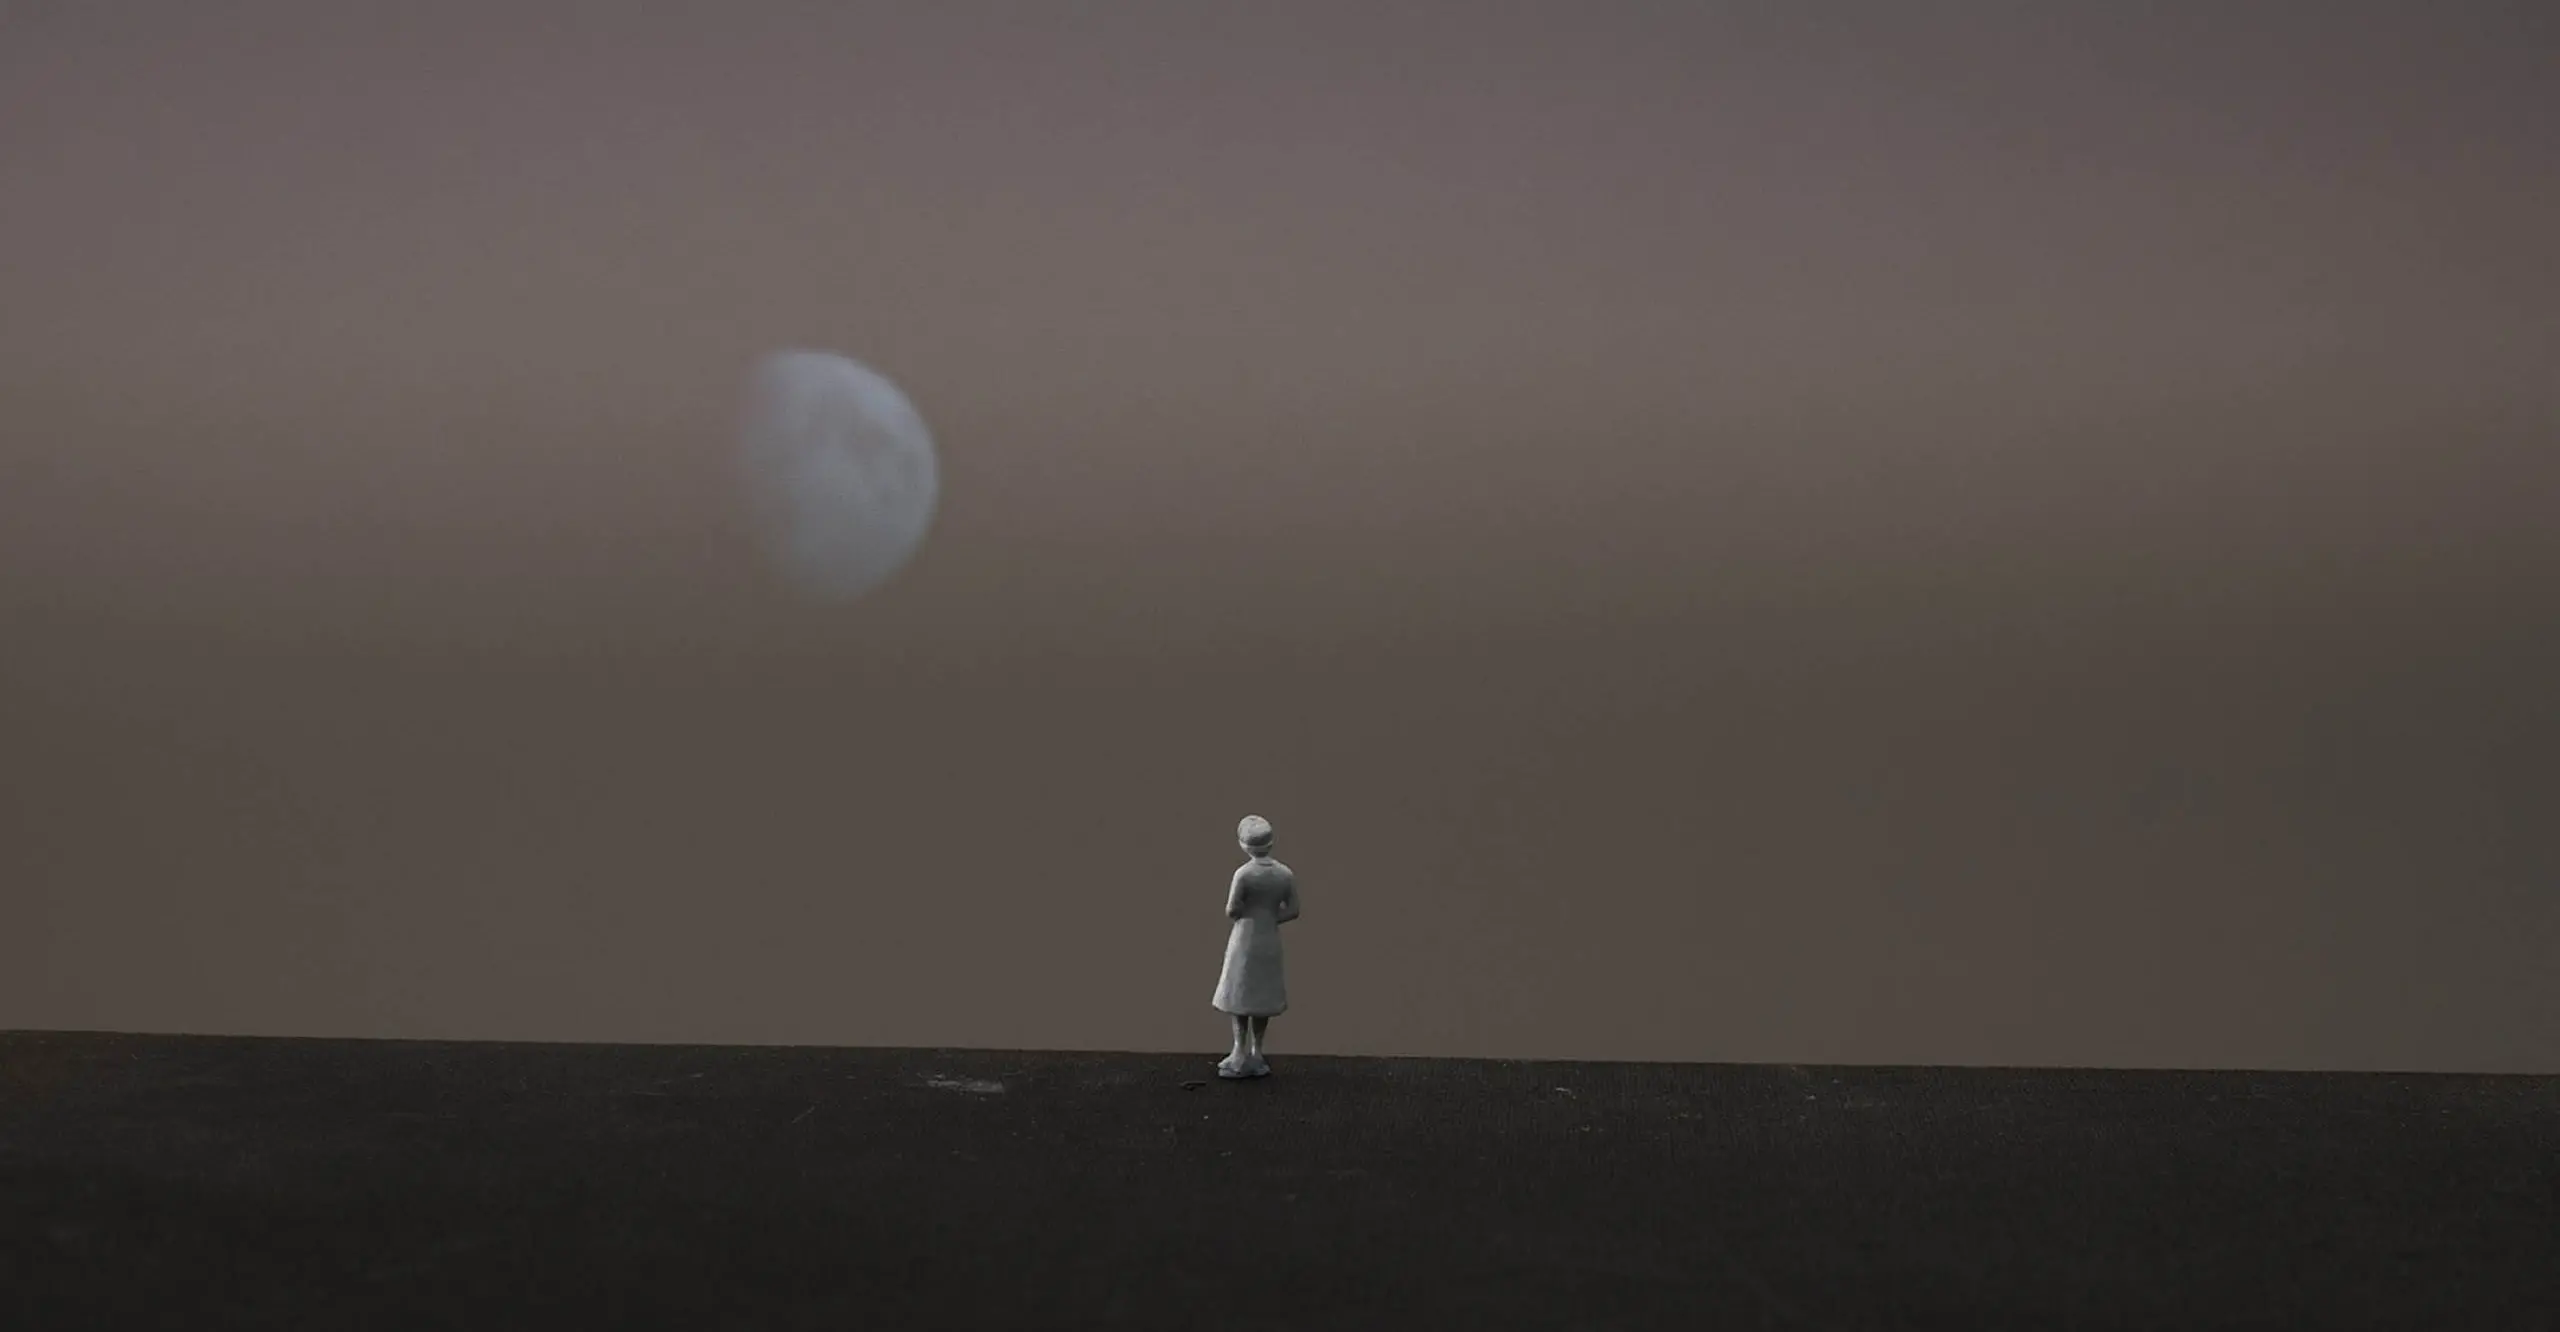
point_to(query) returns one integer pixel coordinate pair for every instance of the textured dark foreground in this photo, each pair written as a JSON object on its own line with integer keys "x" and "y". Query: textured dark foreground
{"x": 169, "y": 1182}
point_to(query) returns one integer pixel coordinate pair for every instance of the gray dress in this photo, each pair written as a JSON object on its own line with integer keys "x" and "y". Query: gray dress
{"x": 1262, "y": 894}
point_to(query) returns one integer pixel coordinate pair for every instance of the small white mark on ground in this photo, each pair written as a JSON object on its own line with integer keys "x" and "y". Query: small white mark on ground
{"x": 974, "y": 1086}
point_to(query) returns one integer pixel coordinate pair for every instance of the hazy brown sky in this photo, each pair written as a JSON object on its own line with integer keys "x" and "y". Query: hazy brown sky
{"x": 1897, "y": 533}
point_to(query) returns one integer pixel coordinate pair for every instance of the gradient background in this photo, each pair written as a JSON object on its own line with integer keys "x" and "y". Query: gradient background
{"x": 1814, "y": 532}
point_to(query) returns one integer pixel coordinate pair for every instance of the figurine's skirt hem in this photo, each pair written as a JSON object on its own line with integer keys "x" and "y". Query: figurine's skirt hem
{"x": 1251, "y": 1012}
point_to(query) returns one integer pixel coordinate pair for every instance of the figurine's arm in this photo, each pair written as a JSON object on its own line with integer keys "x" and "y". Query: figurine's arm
{"x": 1235, "y": 898}
{"x": 1288, "y": 902}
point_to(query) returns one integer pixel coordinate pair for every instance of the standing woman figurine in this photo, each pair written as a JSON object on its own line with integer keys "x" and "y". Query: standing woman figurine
{"x": 1251, "y": 991}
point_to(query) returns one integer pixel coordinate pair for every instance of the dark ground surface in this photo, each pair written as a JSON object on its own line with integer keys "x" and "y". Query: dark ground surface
{"x": 172, "y": 1182}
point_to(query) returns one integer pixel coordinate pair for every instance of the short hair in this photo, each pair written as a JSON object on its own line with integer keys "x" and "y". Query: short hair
{"x": 1254, "y": 831}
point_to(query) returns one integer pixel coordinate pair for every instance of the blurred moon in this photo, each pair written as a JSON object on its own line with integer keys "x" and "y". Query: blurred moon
{"x": 840, "y": 475}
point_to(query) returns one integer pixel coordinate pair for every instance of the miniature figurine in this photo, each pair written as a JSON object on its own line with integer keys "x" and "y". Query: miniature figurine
{"x": 1261, "y": 898}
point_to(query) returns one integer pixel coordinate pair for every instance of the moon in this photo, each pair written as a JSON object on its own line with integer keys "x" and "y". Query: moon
{"x": 839, "y": 473}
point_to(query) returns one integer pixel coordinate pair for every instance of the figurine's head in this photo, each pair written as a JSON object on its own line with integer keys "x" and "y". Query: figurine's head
{"x": 1254, "y": 835}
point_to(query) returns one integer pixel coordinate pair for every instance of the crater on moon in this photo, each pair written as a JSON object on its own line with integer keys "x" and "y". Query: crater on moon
{"x": 839, "y": 472}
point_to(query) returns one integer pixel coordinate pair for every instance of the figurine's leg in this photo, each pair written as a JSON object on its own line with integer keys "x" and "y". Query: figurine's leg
{"x": 1236, "y": 1056}
{"x": 1254, "y": 1062}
